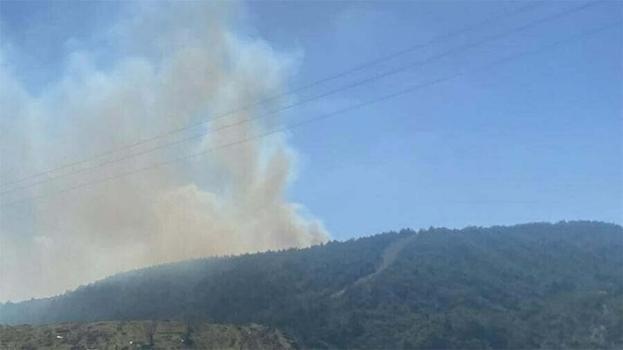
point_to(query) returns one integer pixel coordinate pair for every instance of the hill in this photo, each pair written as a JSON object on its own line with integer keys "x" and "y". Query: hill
{"x": 142, "y": 335}
{"x": 524, "y": 286}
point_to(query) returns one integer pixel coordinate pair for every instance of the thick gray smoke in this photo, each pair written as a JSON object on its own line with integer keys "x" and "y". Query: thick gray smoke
{"x": 172, "y": 65}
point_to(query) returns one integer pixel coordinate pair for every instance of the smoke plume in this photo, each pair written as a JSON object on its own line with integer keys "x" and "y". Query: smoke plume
{"x": 166, "y": 67}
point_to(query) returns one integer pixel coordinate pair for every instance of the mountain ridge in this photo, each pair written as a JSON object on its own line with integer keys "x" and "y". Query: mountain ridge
{"x": 525, "y": 285}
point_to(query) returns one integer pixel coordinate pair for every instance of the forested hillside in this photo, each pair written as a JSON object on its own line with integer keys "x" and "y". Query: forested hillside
{"x": 525, "y": 286}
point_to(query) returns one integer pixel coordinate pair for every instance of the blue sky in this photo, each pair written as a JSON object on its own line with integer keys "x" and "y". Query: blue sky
{"x": 537, "y": 139}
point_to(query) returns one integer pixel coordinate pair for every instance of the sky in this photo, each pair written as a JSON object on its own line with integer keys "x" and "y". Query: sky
{"x": 538, "y": 138}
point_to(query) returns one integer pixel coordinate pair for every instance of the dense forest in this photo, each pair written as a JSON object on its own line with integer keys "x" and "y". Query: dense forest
{"x": 525, "y": 286}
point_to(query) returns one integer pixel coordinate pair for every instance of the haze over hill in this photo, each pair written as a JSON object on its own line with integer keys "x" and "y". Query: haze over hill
{"x": 172, "y": 66}
{"x": 173, "y": 164}
{"x": 525, "y": 286}
{"x": 114, "y": 117}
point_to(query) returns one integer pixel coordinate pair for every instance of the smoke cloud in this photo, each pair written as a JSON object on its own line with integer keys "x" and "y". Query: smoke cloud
{"x": 168, "y": 66}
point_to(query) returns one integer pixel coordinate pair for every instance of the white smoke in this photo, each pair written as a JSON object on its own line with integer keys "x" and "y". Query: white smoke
{"x": 173, "y": 64}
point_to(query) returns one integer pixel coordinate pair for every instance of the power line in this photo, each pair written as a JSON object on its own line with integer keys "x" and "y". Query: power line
{"x": 366, "y": 80}
{"x": 325, "y": 116}
{"x": 355, "y": 69}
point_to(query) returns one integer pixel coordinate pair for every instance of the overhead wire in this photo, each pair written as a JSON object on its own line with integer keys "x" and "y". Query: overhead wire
{"x": 361, "y": 82}
{"x": 358, "y": 68}
{"x": 299, "y": 124}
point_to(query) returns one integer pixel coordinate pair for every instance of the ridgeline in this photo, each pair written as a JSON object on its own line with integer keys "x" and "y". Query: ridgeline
{"x": 526, "y": 286}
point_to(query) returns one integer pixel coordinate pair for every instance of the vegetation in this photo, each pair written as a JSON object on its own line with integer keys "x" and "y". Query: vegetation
{"x": 145, "y": 335}
{"x": 525, "y": 286}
